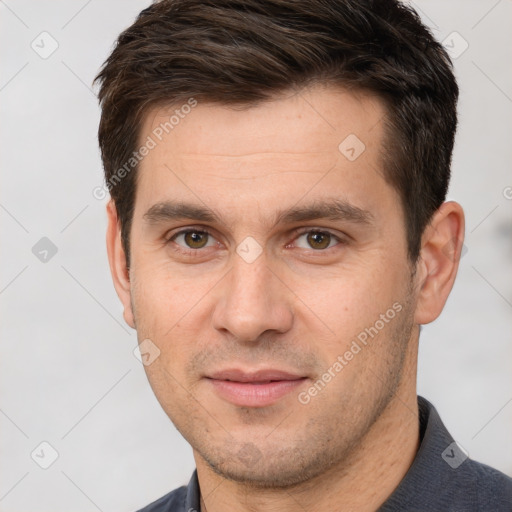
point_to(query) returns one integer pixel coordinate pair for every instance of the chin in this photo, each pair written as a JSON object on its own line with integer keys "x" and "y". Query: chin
{"x": 283, "y": 469}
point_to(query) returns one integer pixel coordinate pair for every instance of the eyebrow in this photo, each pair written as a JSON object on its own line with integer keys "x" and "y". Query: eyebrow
{"x": 333, "y": 209}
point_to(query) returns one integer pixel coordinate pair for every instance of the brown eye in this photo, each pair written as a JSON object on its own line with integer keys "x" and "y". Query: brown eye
{"x": 318, "y": 240}
{"x": 192, "y": 239}
{"x": 196, "y": 239}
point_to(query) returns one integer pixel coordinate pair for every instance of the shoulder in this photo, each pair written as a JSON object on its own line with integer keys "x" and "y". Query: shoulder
{"x": 492, "y": 488}
{"x": 171, "y": 502}
{"x": 443, "y": 477}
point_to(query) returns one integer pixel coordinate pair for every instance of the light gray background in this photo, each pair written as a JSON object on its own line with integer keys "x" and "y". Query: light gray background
{"x": 68, "y": 374}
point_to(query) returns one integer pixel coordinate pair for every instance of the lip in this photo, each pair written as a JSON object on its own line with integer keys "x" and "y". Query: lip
{"x": 254, "y": 389}
{"x": 238, "y": 375}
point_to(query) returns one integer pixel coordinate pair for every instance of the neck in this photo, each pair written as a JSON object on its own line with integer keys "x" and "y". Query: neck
{"x": 361, "y": 482}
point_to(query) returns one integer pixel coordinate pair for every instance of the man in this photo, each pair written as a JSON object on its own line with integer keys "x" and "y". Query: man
{"x": 278, "y": 233}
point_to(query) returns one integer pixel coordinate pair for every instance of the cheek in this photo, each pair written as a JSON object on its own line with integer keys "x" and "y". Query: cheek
{"x": 348, "y": 310}
{"x": 171, "y": 311}
{"x": 161, "y": 296}
{"x": 352, "y": 295}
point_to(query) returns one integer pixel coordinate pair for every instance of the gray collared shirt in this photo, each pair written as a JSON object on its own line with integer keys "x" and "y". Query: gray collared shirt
{"x": 441, "y": 478}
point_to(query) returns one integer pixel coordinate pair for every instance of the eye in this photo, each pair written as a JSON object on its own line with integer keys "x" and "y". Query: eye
{"x": 193, "y": 239}
{"x": 318, "y": 240}
{"x": 190, "y": 240}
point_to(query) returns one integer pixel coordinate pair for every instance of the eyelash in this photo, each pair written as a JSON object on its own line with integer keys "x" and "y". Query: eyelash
{"x": 196, "y": 252}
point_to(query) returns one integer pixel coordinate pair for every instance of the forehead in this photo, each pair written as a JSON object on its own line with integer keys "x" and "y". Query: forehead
{"x": 314, "y": 120}
{"x": 303, "y": 145}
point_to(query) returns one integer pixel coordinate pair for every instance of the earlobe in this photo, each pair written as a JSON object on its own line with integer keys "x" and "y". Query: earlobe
{"x": 117, "y": 262}
{"x": 441, "y": 247}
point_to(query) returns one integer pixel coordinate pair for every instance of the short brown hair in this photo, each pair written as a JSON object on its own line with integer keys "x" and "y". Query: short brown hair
{"x": 241, "y": 52}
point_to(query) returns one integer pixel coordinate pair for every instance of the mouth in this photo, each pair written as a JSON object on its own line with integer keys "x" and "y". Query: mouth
{"x": 254, "y": 389}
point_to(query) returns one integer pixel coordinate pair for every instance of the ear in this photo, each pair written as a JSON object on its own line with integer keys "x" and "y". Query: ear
{"x": 441, "y": 247}
{"x": 117, "y": 261}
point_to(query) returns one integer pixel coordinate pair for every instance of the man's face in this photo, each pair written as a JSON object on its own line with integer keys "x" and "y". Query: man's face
{"x": 253, "y": 289}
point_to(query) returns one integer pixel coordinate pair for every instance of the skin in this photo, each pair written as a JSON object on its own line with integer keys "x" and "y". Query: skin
{"x": 297, "y": 307}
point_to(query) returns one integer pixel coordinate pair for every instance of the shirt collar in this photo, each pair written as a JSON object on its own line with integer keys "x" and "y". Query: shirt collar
{"x": 192, "y": 503}
{"x": 432, "y": 470}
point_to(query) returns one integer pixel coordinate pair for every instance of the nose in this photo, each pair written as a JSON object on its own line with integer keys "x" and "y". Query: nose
{"x": 252, "y": 300}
